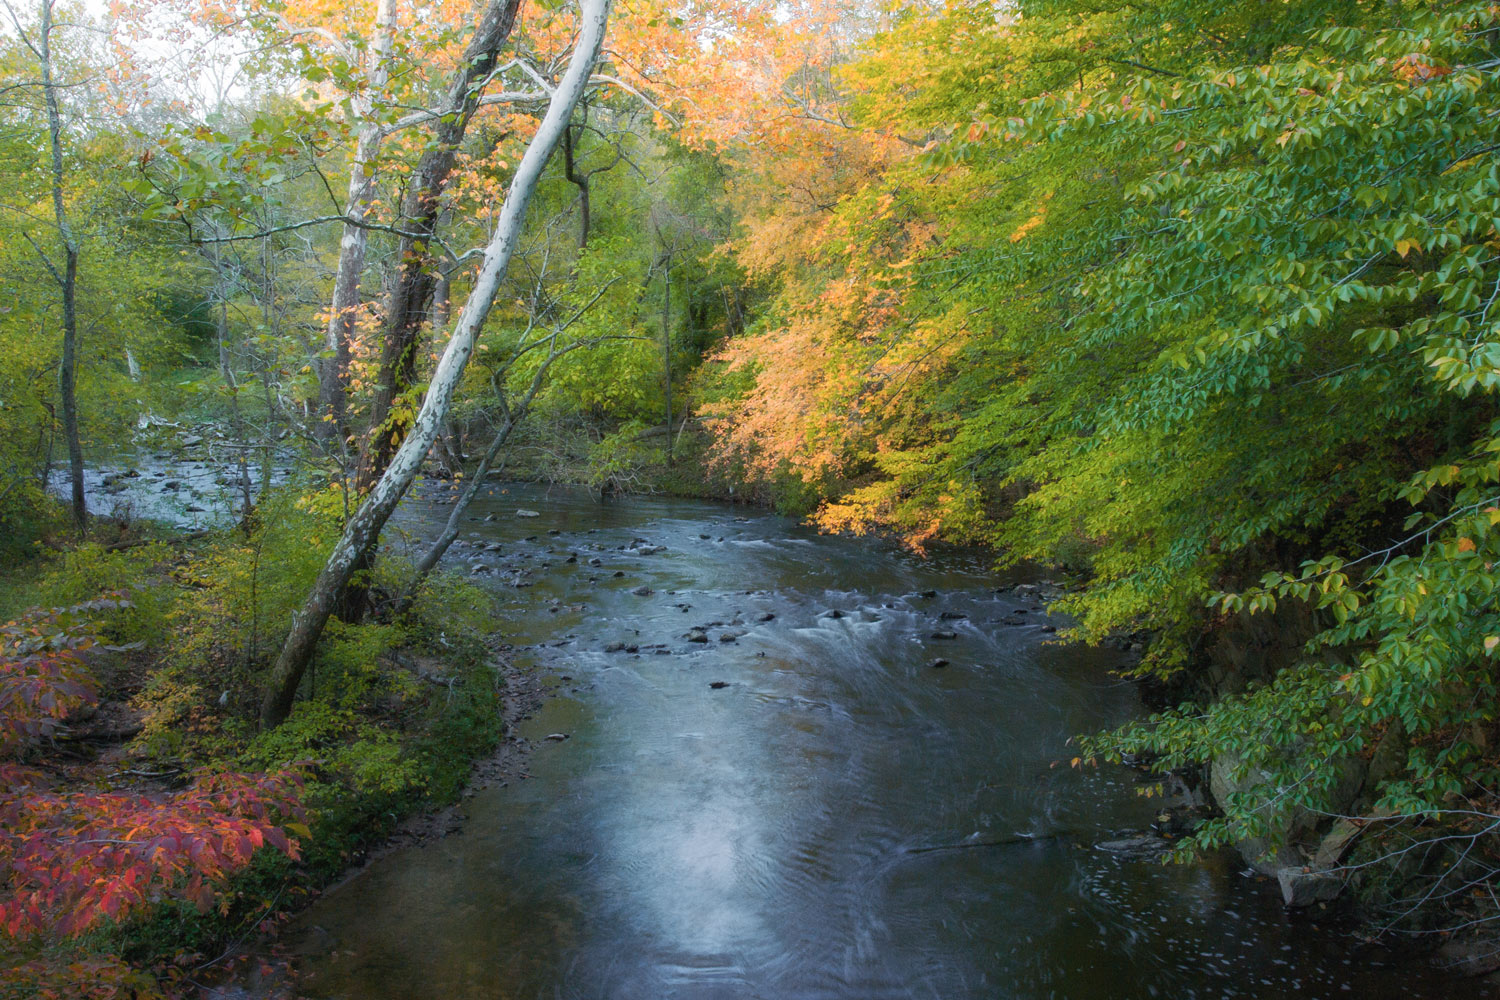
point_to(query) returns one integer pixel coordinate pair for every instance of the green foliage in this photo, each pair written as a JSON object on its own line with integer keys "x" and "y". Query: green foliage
{"x": 90, "y": 571}
{"x": 1196, "y": 298}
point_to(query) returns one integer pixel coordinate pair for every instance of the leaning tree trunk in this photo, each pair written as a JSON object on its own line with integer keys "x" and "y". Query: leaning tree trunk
{"x": 67, "y": 373}
{"x": 363, "y": 529}
{"x": 416, "y": 276}
{"x": 343, "y": 310}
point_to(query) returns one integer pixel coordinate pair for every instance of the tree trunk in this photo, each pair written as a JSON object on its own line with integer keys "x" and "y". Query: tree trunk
{"x": 67, "y": 373}
{"x": 363, "y": 529}
{"x": 343, "y": 311}
{"x": 415, "y": 279}
{"x": 666, "y": 348}
{"x": 236, "y": 418}
{"x": 580, "y": 181}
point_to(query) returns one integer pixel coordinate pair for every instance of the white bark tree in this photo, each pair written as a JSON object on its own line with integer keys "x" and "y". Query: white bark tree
{"x": 366, "y": 524}
{"x": 343, "y": 310}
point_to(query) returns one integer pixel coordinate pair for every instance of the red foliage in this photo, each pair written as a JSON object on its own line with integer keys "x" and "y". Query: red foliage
{"x": 73, "y": 859}
{"x": 76, "y": 859}
{"x": 43, "y": 679}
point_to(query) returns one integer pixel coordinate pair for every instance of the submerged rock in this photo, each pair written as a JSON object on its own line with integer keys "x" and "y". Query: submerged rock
{"x": 1142, "y": 846}
{"x": 523, "y": 512}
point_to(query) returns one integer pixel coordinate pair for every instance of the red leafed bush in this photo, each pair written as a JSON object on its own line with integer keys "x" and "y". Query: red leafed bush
{"x": 70, "y": 860}
{"x": 74, "y": 860}
{"x": 43, "y": 678}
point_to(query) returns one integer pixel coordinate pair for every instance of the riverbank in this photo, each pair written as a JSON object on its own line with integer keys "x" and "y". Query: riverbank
{"x": 163, "y": 635}
{"x": 261, "y": 969}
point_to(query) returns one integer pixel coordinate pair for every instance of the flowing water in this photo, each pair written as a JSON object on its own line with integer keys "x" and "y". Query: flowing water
{"x": 746, "y": 819}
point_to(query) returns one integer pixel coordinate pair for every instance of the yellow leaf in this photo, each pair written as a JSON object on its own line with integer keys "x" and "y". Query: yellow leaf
{"x": 1404, "y": 247}
{"x": 1466, "y": 545}
{"x": 1490, "y": 642}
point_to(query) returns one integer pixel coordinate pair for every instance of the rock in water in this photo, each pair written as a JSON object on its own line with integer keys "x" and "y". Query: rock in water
{"x": 1302, "y": 886}
{"x": 1143, "y": 846}
{"x": 523, "y": 512}
{"x": 939, "y": 662}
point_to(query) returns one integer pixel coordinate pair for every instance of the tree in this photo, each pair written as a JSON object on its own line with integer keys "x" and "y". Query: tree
{"x": 40, "y": 43}
{"x": 344, "y": 307}
{"x": 364, "y": 527}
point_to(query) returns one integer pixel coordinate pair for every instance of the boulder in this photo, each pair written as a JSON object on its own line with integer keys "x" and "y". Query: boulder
{"x": 1303, "y": 886}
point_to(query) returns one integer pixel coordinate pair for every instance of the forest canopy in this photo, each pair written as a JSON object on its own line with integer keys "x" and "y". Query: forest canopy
{"x": 1191, "y": 303}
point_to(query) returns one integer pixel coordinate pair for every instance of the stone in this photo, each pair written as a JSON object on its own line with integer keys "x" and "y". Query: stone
{"x": 697, "y": 635}
{"x": 1477, "y": 955}
{"x": 766, "y": 617}
{"x": 952, "y": 615}
{"x": 523, "y": 512}
{"x": 716, "y": 685}
{"x": 1142, "y": 846}
{"x": 643, "y": 591}
{"x": 945, "y": 635}
{"x": 1336, "y": 843}
{"x": 1303, "y": 886}
{"x": 937, "y": 663}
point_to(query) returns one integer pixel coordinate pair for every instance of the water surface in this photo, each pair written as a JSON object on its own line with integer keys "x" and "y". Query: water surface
{"x": 755, "y": 839}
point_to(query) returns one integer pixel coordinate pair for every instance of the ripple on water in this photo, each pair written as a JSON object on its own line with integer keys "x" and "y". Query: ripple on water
{"x": 755, "y": 841}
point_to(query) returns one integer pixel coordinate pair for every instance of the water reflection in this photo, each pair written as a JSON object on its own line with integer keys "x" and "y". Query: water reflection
{"x": 755, "y": 839}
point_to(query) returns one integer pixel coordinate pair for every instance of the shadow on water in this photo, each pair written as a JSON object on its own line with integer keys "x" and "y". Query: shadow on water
{"x": 755, "y": 839}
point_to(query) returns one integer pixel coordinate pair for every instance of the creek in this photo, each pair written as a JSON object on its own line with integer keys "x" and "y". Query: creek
{"x": 749, "y": 817}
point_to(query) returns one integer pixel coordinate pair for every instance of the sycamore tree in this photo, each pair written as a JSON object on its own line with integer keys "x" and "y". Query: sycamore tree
{"x": 364, "y": 527}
